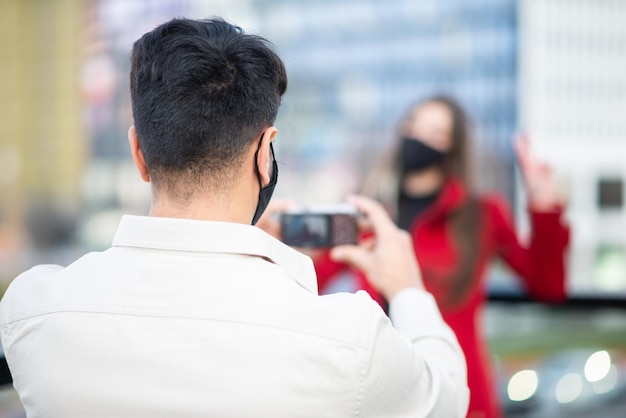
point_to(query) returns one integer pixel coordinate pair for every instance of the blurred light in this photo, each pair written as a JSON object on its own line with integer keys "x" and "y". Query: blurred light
{"x": 569, "y": 388}
{"x": 608, "y": 383}
{"x": 597, "y": 366}
{"x": 522, "y": 385}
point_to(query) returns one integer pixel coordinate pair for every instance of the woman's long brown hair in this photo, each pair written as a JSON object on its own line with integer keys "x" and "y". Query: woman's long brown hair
{"x": 464, "y": 222}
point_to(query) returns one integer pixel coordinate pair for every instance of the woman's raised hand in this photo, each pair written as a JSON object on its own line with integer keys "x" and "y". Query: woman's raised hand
{"x": 538, "y": 178}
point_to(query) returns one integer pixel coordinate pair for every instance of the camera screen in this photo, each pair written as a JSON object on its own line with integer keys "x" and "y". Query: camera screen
{"x": 306, "y": 230}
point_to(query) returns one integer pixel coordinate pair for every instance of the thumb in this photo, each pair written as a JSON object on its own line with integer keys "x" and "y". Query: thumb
{"x": 350, "y": 254}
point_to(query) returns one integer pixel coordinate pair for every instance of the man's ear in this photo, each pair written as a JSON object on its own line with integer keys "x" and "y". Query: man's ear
{"x": 264, "y": 157}
{"x": 135, "y": 151}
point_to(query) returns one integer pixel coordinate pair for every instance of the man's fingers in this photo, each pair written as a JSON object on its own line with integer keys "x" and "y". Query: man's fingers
{"x": 368, "y": 243}
{"x": 375, "y": 213}
{"x": 350, "y": 254}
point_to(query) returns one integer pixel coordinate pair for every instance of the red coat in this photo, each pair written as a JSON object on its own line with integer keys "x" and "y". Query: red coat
{"x": 540, "y": 265}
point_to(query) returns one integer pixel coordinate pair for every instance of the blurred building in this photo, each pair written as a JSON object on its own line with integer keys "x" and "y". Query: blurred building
{"x": 573, "y": 104}
{"x": 41, "y": 138}
{"x": 110, "y": 185}
{"x": 356, "y": 66}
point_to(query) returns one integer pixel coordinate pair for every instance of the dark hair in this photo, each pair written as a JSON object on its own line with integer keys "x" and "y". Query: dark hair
{"x": 202, "y": 91}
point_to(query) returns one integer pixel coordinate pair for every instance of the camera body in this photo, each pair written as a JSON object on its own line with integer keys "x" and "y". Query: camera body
{"x": 320, "y": 225}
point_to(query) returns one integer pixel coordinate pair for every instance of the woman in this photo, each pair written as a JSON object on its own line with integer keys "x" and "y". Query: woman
{"x": 457, "y": 232}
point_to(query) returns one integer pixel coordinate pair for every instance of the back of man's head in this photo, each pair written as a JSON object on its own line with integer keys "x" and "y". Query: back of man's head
{"x": 202, "y": 92}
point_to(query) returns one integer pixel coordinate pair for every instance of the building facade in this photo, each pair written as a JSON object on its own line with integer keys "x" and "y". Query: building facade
{"x": 573, "y": 105}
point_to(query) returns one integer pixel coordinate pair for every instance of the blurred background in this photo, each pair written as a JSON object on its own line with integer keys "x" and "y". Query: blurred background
{"x": 553, "y": 69}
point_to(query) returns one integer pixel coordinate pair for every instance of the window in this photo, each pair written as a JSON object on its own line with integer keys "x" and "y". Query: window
{"x": 610, "y": 193}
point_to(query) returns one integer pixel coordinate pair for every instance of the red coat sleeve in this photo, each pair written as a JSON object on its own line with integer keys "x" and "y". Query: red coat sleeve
{"x": 541, "y": 262}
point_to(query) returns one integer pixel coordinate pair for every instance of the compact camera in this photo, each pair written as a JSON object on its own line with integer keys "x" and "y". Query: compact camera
{"x": 320, "y": 225}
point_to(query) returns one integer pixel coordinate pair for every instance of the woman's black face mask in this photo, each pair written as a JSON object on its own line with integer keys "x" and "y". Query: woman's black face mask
{"x": 415, "y": 155}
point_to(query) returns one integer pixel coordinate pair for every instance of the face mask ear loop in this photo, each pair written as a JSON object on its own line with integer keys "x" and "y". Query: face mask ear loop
{"x": 256, "y": 161}
{"x": 265, "y": 193}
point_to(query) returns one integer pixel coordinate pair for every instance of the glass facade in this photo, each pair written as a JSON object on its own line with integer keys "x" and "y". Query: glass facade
{"x": 355, "y": 68}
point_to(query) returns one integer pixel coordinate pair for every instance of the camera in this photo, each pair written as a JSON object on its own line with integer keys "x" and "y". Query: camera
{"x": 320, "y": 225}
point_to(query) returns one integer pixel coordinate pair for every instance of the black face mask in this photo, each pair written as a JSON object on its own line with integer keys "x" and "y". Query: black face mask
{"x": 265, "y": 194}
{"x": 415, "y": 155}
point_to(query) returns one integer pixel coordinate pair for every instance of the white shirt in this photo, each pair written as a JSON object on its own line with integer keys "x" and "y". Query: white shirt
{"x": 184, "y": 318}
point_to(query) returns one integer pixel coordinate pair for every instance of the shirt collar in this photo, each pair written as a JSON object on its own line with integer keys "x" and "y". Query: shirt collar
{"x": 214, "y": 237}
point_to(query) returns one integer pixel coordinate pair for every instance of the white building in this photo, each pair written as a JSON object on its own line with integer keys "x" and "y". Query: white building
{"x": 572, "y": 92}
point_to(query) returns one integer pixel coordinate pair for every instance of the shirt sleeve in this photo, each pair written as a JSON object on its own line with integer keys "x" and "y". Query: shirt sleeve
{"x": 416, "y": 367}
{"x": 540, "y": 263}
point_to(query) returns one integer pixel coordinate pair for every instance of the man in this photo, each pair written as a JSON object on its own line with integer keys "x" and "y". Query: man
{"x": 195, "y": 312}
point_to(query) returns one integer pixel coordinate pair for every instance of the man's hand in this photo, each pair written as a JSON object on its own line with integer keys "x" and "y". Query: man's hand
{"x": 387, "y": 258}
{"x": 270, "y": 223}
